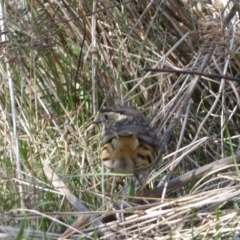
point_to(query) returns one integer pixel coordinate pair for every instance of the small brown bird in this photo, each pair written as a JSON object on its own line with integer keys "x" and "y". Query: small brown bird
{"x": 129, "y": 145}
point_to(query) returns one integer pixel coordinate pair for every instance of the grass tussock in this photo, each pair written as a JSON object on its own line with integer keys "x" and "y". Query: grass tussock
{"x": 61, "y": 61}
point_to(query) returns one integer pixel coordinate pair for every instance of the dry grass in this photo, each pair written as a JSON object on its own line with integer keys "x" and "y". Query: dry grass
{"x": 62, "y": 61}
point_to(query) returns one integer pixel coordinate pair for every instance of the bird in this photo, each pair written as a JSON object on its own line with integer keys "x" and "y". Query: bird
{"x": 129, "y": 144}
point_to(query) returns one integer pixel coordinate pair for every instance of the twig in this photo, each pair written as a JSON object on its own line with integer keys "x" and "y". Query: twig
{"x": 193, "y": 175}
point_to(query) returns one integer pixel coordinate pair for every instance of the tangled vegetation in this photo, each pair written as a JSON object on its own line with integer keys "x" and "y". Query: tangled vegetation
{"x": 62, "y": 61}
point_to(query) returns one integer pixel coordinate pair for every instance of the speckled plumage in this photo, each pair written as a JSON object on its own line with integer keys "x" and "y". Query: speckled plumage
{"x": 129, "y": 145}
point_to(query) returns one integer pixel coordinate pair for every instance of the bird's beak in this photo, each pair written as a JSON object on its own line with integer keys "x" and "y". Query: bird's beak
{"x": 97, "y": 121}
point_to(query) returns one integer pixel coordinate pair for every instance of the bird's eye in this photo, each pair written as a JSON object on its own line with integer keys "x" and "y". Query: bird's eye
{"x": 105, "y": 116}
